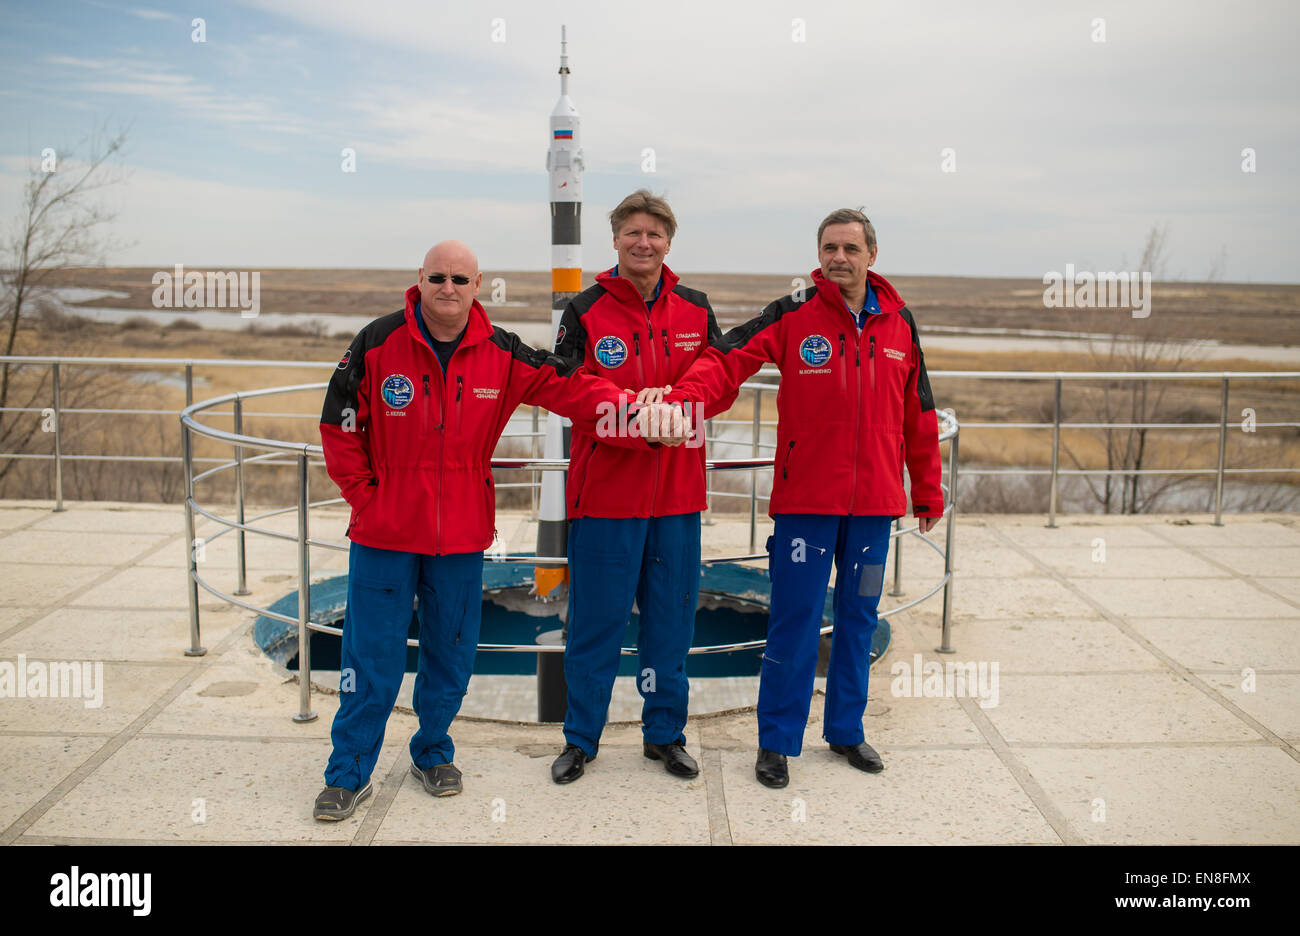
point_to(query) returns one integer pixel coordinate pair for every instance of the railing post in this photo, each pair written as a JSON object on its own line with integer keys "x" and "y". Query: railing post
{"x": 58, "y": 445}
{"x": 1056, "y": 455}
{"x": 945, "y": 645}
{"x": 898, "y": 559}
{"x": 191, "y": 546}
{"x": 240, "y": 557}
{"x": 1223, "y": 444}
{"x": 532, "y": 451}
{"x": 189, "y": 384}
{"x": 753, "y": 472}
{"x": 707, "y": 518}
{"x": 305, "y": 714}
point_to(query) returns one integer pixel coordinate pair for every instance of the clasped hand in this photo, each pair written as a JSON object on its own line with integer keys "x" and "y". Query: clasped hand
{"x": 661, "y": 422}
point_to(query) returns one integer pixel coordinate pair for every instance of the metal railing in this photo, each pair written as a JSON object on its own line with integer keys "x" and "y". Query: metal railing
{"x": 1056, "y": 425}
{"x": 757, "y": 425}
{"x": 304, "y": 452}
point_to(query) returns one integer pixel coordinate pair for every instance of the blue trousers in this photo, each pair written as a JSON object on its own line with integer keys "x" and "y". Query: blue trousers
{"x": 382, "y": 587}
{"x": 801, "y": 549}
{"x": 655, "y": 561}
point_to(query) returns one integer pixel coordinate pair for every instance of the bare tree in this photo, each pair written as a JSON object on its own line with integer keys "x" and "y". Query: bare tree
{"x": 1136, "y": 345}
{"x": 60, "y": 226}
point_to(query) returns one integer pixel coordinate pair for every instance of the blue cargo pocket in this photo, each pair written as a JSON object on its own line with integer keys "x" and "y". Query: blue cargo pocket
{"x": 871, "y": 580}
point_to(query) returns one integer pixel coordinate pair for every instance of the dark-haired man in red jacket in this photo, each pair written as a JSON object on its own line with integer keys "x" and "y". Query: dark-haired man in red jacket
{"x": 855, "y": 404}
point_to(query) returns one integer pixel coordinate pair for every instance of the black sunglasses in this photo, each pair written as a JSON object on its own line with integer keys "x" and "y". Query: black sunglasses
{"x": 439, "y": 278}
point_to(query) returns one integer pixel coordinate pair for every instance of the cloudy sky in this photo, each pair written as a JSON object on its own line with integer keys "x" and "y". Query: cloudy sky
{"x": 763, "y": 116}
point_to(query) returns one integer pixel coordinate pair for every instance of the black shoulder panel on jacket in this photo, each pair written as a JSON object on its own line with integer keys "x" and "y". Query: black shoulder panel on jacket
{"x": 584, "y": 300}
{"x": 923, "y": 389}
{"x": 741, "y": 335}
{"x": 693, "y": 296}
{"x": 515, "y": 346}
{"x": 344, "y": 384}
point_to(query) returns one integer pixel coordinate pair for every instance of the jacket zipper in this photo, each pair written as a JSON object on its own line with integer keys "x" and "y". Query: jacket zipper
{"x": 857, "y": 417}
{"x": 785, "y": 468}
{"x": 654, "y": 377}
{"x": 871, "y": 360}
{"x": 843, "y": 367}
{"x": 640, "y": 368}
{"x": 424, "y": 418}
{"x": 460, "y": 386}
{"x": 585, "y": 471}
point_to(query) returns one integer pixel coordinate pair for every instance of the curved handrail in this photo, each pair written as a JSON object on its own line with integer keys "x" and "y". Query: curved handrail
{"x": 949, "y": 430}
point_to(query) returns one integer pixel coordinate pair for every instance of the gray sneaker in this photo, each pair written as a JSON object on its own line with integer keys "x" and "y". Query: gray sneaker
{"x": 440, "y": 779}
{"x": 336, "y": 802}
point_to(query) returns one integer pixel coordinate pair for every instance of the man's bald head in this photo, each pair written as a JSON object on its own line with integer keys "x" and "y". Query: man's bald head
{"x": 445, "y": 306}
{"x": 449, "y": 251}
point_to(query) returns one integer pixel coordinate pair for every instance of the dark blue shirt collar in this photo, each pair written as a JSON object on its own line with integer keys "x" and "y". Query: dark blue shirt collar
{"x": 870, "y": 306}
{"x": 658, "y": 286}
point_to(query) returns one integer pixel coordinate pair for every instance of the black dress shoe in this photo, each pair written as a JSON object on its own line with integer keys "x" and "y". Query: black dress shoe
{"x": 676, "y": 761}
{"x": 771, "y": 769}
{"x": 861, "y": 756}
{"x": 568, "y": 766}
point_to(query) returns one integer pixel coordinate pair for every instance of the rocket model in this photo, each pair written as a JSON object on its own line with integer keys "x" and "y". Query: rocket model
{"x": 564, "y": 165}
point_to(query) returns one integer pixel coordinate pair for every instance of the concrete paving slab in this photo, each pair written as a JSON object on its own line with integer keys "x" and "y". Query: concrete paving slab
{"x": 261, "y": 553}
{"x": 1110, "y": 707}
{"x": 1078, "y": 534}
{"x": 1028, "y": 596}
{"x": 922, "y": 566}
{"x": 75, "y": 548}
{"x": 1215, "y": 643}
{"x": 14, "y": 615}
{"x": 1276, "y": 561}
{"x": 97, "y": 634}
{"x": 1288, "y": 587}
{"x": 1201, "y": 795}
{"x": 1274, "y": 700}
{"x": 128, "y": 689}
{"x": 26, "y": 585}
{"x": 116, "y": 518}
{"x": 892, "y": 721}
{"x": 246, "y": 696}
{"x": 921, "y": 798}
{"x": 1041, "y": 645}
{"x": 1192, "y": 598}
{"x": 252, "y": 791}
{"x": 12, "y": 517}
{"x": 34, "y": 766}
{"x": 623, "y": 798}
{"x": 1234, "y": 532}
{"x": 1126, "y": 562}
{"x": 140, "y": 587}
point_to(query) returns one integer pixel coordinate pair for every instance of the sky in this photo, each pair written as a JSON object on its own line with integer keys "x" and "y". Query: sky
{"x": 1067, "y": 129}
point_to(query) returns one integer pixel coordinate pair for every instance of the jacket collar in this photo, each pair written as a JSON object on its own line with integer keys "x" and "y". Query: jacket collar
{"x": 623, "y": 290}
{"x": 478, "y": 328}
{"x": 886, "y": 295}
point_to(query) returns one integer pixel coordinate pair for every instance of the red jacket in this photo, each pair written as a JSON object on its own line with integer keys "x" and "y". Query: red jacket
{"x": 412, "y": 452}
{"x": 851, "y": 407}
{"x": 608, "y": 331}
